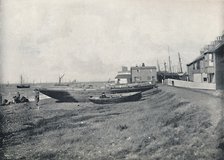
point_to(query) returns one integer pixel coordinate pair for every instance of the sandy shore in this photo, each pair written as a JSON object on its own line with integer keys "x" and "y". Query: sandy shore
{"x": 160, "y": 126}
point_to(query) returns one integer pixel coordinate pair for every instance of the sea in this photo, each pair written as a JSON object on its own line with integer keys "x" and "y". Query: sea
{"x": 7, "y": 91}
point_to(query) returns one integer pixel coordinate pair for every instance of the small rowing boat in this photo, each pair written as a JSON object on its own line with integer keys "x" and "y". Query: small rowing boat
{"x": 117, "y": 98}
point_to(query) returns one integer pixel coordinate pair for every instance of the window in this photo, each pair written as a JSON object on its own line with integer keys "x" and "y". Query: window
{"x": 198, "y": 64}
{"x": 205, "y": 79}
{"x": 212, "y": 57}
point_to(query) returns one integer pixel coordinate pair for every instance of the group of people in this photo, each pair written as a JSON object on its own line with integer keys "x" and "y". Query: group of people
{"x": 18, "y": 99}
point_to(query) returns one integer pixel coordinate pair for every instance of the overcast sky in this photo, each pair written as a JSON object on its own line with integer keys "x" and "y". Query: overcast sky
{"x": 91, "y": 39}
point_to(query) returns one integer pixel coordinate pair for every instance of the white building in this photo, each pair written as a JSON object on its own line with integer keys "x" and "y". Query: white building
{"x": 123, "y": 77}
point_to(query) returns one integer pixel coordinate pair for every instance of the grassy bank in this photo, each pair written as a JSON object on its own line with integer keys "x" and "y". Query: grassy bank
{"x": 160, "y": 126}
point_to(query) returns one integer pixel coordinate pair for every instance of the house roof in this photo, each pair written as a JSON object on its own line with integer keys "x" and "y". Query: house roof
{"x": 214, "y": 49}
{"x": 126, "y": 76}
{"x": 219, "y": 46}
{"x": 145, "y": 67}
{"x": 196, "y": 59}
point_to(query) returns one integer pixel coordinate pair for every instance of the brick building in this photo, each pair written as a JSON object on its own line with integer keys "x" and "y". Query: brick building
{"x": 143, "y": 74}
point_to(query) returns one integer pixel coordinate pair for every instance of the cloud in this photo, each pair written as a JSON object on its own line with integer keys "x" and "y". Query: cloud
{"x": 90, "y": 40}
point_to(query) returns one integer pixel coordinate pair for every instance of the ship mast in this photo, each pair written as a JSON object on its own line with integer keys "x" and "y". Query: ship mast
{"x": 170, "y": 65}
{"x": 170, "y": 70}
{"x": 158, "y": 65}
{"x": 165, "y": 66}
{"x": 181, "y": 70}
{"x": 60, "y": 78}
{"x": 21, "y": 79}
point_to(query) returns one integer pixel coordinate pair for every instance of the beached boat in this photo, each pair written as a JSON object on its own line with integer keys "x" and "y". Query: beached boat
{"x": 82, "y": 95}
{"x": 117, "y": 98}
{"x": 131, "y": 88}
{"x": 71, "y": 95}
{"x": 21, "y": 85}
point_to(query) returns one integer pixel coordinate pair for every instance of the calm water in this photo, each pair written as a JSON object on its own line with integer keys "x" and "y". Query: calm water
{"x": 8, "y": 92}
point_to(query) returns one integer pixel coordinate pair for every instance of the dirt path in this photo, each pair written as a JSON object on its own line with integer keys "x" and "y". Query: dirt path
{"x": 214, "y": 104}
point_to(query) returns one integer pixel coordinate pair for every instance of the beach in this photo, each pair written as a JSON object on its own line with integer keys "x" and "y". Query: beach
{"x": 159, "y": 126}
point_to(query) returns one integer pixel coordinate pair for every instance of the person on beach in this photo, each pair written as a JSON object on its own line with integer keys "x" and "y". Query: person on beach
{"x": 103, "y": 95}
{"x": 37, "y": 98}
{"x": 18, "y": 95}
{"x": 16, "y": 99}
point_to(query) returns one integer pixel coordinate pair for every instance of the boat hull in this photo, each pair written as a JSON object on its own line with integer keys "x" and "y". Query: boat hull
{"x": 82, "y": 95}
{"x": 23, "y": 86}
{"x": 61, "y": 84}
{"x": 131, "y": 89}
{"x": 71, "y": 95}
{"x": 135, "y": 96}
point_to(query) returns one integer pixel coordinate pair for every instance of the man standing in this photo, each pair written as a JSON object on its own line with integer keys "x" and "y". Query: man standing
{"x": 37, "y": 94}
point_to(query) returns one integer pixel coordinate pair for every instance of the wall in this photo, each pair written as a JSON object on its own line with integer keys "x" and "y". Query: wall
{"x": 219, "y": 65}
{"x": 121, "y": 81}
{"x": 187, "y": 84}
{"x": 190, "y": 72}
{"x": 197, "y": 77}
{"x": 143, "y": 75}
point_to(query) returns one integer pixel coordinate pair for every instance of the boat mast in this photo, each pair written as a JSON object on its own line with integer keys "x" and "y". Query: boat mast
{"x": 21, "y": 79}
{"x": 165, "y": 66}
{"x": 158, "y": 65}
{"x": 60, "y": 78}
{"x": 181, "y": 70}
{"x": 170, "y": 70}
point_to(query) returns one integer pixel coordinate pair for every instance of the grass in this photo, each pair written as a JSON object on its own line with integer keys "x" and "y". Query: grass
{"x": 160, "y": 126}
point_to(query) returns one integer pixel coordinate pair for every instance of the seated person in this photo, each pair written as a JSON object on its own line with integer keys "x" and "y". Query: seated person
{"x": 103, "y": 95}
{"x": 16, "y": 99}
{"x": 5, "y": 102}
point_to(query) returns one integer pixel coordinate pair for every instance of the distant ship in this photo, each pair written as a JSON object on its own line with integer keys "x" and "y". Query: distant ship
{"x": 21, "y": 85}
{"x": 60, "y": 83}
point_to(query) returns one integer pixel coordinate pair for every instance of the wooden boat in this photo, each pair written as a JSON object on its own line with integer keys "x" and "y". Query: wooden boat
{"x": 62, "y": 84}
{"x": 21, "y": 85}
{"x": 131, "y": 88}
{"x": 60, "y": 81}
{"x": 82, "y": 95}
{"x": 71, "y": 95}
{"x": 117, "y": 98}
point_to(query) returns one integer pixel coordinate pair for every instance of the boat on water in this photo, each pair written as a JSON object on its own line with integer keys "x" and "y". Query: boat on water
{"x": 22, "y": 85}
{"x": 82, "y": 94}
{"x": 116, "y": 98}
{"x": 62, "y": 84}
{"x": 60, "y": 81}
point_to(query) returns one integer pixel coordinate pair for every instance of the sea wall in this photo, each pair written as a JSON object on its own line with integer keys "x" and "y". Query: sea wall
{"x": 187, "y": 84}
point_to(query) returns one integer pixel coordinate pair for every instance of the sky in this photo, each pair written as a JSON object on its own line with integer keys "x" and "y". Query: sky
{"x": 89, "y": 40}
